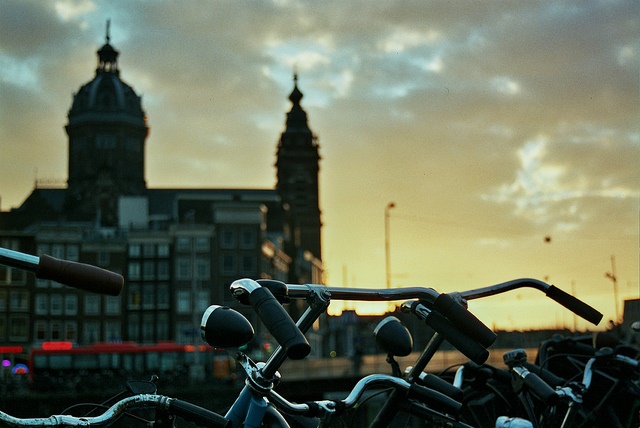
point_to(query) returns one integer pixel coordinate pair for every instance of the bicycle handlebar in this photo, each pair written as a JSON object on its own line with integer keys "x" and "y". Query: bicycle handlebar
{"x": 274, "y": 317}
{"x": 74, "y": 274}
{"x": 187, "y": 411}
{"x": 444, "y": 303}
{"x": 570, "y": 302}
{"x": 433, "y": 399}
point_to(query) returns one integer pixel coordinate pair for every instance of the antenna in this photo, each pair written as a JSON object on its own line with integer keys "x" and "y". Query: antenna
{"x": 108, "y": 37}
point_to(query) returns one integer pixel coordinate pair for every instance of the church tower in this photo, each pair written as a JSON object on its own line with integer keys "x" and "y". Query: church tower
{"x": 107, "y": 130}
{"x": 298, "y": 165}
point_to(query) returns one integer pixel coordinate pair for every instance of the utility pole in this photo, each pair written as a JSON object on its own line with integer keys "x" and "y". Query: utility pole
{"x": 612, "y": 276}
{"x": 386, "y": 242}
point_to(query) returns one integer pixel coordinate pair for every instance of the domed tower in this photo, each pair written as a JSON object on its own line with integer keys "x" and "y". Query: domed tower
{"x": 298, "y": 165}
{"x": 107, "y": 130}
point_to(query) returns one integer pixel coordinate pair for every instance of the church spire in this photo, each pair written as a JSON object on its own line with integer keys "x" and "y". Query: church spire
{"x": 107, "y": 55}
{"x": 297, "y": 167}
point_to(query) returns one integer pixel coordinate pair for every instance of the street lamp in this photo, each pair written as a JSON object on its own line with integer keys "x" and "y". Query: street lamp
{"x": 386, "y": 241}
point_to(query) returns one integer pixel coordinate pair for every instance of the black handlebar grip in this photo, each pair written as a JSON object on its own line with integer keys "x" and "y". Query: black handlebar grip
{"x": 540, "y": 388}
{"x": 549, "y": 377}
{"x": 574, "y": 304}
{"x": 464, "y": 320}
{"x": 197, "y": 415}
{"x": 434, "y": 399}
{"x": 279, "y": 323}
{"x": 463, "y": 343}
{"x": 80, "y": 275}
{"x": 438, "y": 384}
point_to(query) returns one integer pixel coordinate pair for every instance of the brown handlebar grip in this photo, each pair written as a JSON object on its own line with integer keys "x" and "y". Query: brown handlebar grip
{"x": 80, "y": 275}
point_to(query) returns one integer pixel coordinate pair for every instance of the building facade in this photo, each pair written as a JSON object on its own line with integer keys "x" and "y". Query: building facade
{"x": 178, "y": 249}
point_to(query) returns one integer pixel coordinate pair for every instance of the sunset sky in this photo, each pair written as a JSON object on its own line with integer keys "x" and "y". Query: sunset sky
{"x": 490, "y": 124}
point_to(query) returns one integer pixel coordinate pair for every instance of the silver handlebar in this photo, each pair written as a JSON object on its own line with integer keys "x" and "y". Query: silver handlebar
{"x": 110, "y": 415}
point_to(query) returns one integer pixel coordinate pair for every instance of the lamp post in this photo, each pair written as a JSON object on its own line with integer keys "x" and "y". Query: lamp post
{"x": 386, "y": 242}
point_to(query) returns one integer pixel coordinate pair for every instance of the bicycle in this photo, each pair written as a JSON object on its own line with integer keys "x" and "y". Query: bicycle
{"x": 141, "y": 395}
{"x": 258, "y": 404}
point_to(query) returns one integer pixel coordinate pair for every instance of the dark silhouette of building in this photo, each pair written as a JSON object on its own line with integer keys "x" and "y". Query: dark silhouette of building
{"x": 178, "y": 248}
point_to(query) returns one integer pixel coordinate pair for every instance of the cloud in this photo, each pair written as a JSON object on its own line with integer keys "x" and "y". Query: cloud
{"x": 514, "y": 119}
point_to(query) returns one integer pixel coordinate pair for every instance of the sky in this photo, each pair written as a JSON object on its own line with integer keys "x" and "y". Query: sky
{"x": 505, "y": 132}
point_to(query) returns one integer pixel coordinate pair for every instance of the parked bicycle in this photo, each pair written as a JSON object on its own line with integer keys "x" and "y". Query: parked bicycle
{"x": 140, "y": 404}
{"x": 259, "y": 405}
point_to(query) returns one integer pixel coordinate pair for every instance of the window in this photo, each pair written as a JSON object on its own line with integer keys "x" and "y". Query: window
{"x": 18, "y": 328}
{"x": 162, "y": 326}
{"x": 134, "y": 296}
{"x": 71, "y": 331}
{"x": 40, "y": 331}
{"x": 148, "y": 270}
{"x": 11, "y": 276}
{"x": 149, "y": 250}
{"x": 55, "y": 304}
{"x": 134, "y": 250}
{"x": 148, "y": 296}
{"x": 19, "y": 301}
{"x": 163, "y": 250}
{"x": 203, "y": 269}
{"x": 91, "y": 332}
{"x": 56, "y": 330}
{"x": 57, "y": 251}
{"x": 42, "y": 304}
{"x": 112, "y": 331}
{"x": 104, "y": 258}
{"x": 228, "y": 264}
{"x": 183, "y": 268}
{"x": 227, "y": 238}
{"x": 3, "y": 300}
{"x": 184, "y": 244}
{"x": 163, "y": 269}
{"x": 70, "y": 304}
{"x": 133, "y": 327}
{"x": 92, "y": 304}
{"x": 184, "y": 332}
{"x": 112, "y": 305}
{"x": 73, "y": 253}
{"x": 202, "y": 244}
{"x": 44, "y": 248}
{"x": 183, "y": 302}
{"x": 163, "y": 296}
{"x": 249, "y": 265}
{"x": 204, "y": 299}
{"x": 248, "y": 238}
{"x": 147, "y": 327}
{"x": 134, "y": 270}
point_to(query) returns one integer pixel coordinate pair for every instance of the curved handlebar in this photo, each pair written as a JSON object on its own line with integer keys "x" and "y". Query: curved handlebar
{"x": 187, "y": 411}
{"x": 274, "y": 316}
{"x": 74, "y": 274}
{"x": 567, "y": 300}
{"x": 433, "y": 399}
